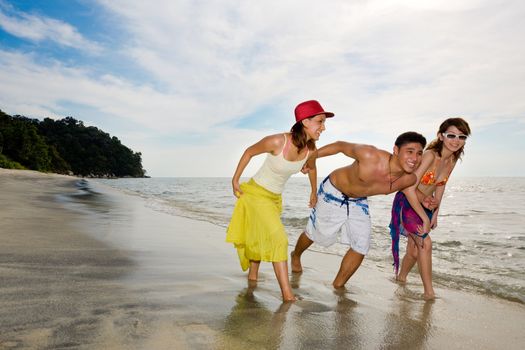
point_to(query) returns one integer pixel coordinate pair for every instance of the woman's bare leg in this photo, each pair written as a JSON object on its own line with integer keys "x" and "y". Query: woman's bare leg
{"x": 281, "y": 272}
{"x": 253, "y": 272}
{"x": 408, "y": 261}
{"x": 424, "y": 263}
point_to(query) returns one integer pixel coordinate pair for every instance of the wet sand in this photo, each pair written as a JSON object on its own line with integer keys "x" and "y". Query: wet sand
{"x": 101, "y": 270}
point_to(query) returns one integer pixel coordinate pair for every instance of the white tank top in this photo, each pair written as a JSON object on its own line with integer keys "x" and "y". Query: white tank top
{"x": 276, "y": 170}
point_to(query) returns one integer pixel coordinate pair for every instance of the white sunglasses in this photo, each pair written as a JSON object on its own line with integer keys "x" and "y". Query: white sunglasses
{"x": 452, "y": 136}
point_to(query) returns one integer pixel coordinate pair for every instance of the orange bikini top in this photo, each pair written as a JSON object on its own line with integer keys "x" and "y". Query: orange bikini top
{"x": 430, "y": 179}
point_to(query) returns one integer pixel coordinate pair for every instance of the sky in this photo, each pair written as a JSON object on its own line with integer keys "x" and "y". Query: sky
{"x": 191, "y": 84}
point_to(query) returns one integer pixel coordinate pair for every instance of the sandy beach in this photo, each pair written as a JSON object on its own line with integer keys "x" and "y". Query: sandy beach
{"x": 100, "y": 270}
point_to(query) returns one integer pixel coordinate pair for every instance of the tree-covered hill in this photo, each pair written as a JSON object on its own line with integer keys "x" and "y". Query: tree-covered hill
{"x": 64, "y": 146}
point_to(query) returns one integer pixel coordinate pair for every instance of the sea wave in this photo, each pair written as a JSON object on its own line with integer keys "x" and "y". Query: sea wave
{"x": 450, "y": 244}
{"x": 513, "y": 292}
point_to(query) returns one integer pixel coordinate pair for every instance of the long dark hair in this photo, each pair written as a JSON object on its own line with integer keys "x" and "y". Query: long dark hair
{"x": 437, "y": 144}
{"x": 299, "y": 137}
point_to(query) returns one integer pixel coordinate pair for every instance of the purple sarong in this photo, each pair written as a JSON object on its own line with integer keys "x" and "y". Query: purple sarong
{"x": 404, "y": 220}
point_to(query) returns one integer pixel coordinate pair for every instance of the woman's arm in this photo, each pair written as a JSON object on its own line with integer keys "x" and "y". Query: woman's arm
{"x": 269, "y": 144}
{"x": 411, "y": 192}
{"x": 411, "y": 195}
{"x": 312, "y": 176}
{"x": 438, "y": 196}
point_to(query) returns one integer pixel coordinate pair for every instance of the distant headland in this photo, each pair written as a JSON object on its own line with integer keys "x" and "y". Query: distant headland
{"x": 65, "y": 146}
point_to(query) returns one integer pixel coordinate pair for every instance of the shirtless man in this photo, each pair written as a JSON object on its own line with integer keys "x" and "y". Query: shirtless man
{"x": 342, "y": 204}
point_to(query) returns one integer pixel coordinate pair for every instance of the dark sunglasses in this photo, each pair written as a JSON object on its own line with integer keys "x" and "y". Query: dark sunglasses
{"x": 452, "y": 136}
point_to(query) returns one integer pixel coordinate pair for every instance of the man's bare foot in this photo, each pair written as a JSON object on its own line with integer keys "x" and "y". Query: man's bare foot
{"x": 296, "y": 263}
{"x": 340, "y": 292}
{"x": 295, "y": 280}
{"x": 338, "y": 287}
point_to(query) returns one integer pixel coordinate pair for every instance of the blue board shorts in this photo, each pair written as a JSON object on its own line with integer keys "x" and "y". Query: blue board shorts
{"x": 336, "y": 214}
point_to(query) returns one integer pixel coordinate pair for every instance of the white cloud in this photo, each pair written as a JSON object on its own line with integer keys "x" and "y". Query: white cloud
{"x": 40, "y": 28}
{"x": 382, "y": 67}
{"x": 408, "y": 60}
{"x": 24, "y": 82}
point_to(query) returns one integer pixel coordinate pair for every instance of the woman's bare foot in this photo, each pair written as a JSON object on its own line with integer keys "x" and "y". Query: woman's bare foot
{"x": 295, "y": 262}
{"x": 253, "y": 271}
{"x": 290, "y": 298}
{"x": 429, "y": 296}
{"x": 401, "y": 279}
{"x": 252, "y": 284}
{"x": 283, "y": 308}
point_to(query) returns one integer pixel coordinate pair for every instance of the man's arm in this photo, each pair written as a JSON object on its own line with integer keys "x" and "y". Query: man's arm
{"x": 352, "y": 150}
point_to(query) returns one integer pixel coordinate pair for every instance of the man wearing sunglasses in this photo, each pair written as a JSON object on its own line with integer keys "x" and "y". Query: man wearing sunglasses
{"x": 342, "y": 206}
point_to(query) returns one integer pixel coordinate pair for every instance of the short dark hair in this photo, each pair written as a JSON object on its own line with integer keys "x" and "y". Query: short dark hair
{"x": 409, "y": 137}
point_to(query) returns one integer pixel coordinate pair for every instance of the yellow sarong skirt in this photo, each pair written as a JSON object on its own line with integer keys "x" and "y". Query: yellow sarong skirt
{"x": 255, "y": 228}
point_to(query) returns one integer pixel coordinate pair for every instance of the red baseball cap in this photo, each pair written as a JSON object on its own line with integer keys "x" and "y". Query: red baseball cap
{"x": 309, "y": 109}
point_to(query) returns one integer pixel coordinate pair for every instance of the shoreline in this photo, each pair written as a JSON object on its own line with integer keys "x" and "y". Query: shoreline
{"x": 105, "y": 271}
{"x": 483, "y": 260}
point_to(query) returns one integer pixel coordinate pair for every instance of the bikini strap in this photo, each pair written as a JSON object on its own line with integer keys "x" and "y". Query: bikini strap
{"x": 287, "y": 146}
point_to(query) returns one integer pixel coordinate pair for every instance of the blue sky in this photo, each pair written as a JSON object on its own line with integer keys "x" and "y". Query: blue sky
{"x": 191, "y": 84}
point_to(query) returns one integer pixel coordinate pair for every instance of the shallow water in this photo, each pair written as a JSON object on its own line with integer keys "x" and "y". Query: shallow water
{"x": 479, "y": 244}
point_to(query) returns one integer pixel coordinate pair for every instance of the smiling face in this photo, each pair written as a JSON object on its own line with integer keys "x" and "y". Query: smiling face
{"x": 314, "y": 126}
{"x": 409, "y": 156}
{"x": 448, "y": 138}
{"x": 453, "y": 139}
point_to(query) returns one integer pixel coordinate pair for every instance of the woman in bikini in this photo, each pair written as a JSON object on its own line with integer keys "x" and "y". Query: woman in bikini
{"x": 415, "y": 209}
{"x": 255, "y": 228}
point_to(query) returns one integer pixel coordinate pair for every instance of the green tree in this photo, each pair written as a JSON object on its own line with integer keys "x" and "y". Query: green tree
{"x": 66, "y": 145}
{"x": 23, "y": 144}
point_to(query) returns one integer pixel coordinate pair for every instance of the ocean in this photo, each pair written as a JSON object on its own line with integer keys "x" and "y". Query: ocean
{"x": 478, "y": 246}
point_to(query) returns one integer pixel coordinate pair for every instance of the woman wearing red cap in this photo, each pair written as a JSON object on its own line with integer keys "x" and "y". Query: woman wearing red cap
{"x": 255, "y": 228}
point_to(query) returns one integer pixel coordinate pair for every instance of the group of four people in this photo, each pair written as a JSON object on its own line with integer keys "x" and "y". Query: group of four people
{"x": 339, "y": 207}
